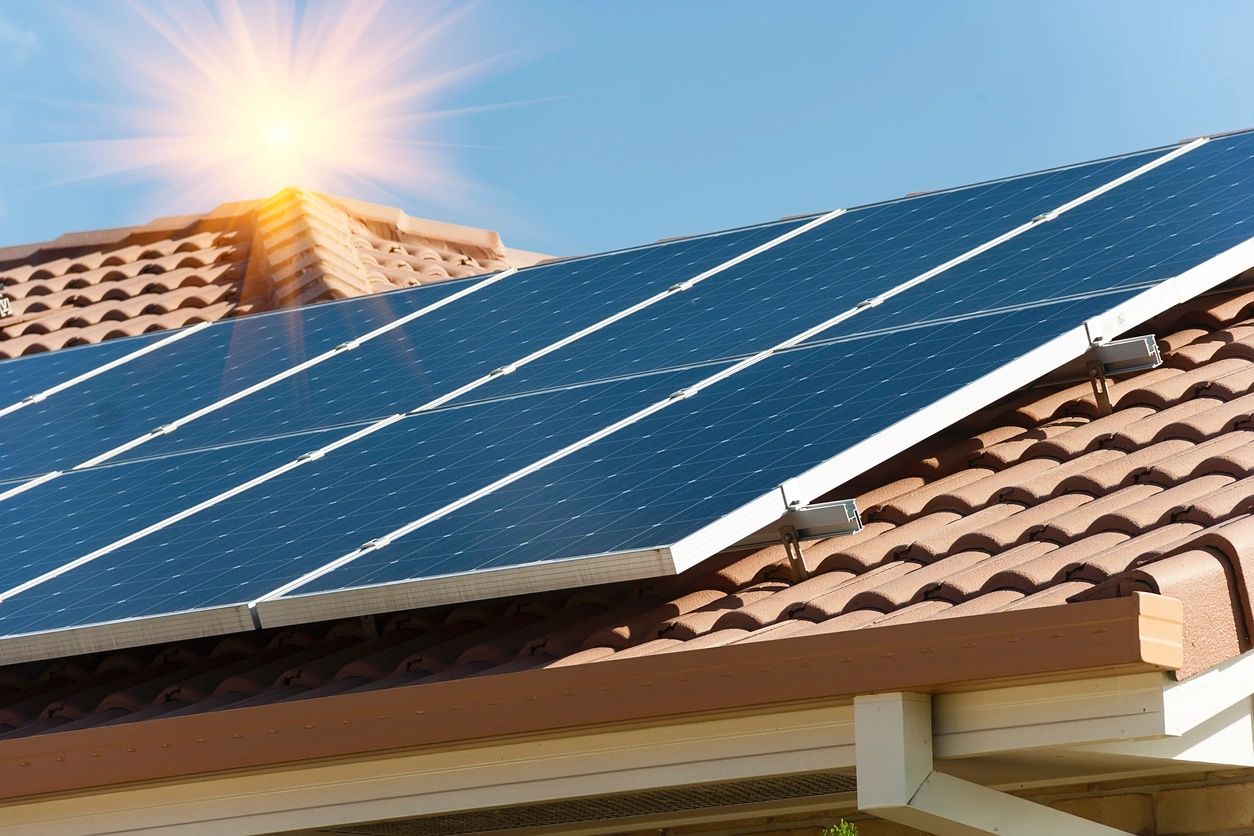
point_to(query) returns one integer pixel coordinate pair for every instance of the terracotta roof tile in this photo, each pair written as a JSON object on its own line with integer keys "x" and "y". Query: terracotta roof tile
{"x": 1227, "y": 453}
{"x": 1200, "y": 579}
{"x": 910, "y": 504}
{"x": 293, "y": 248}
{"x": 1083, "y": 474}
{"x": 1132, "y": 551}
{"x": 997, "y": 486}
{"x": 980, "y": 530}
{"x": 1014, "y": 449}
{"x": 1241, "y": 344}
{"x": 1023, "y": 524}
{"x": 1232, "y": 498}
{"x": 1035, "y": 502}
{"x": 836, "y": 601}
{"x": 1216, "y": 417}
{"x": 981, "y": 576}
{"x": 1178, "y": 340}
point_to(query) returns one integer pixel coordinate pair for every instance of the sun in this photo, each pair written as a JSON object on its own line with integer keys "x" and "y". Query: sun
{"x": 232, "y": 100}
{"x": 279, "y": 136}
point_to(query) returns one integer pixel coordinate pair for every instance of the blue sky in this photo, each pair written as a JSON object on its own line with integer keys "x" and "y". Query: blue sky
{"x": 636, "y": 120}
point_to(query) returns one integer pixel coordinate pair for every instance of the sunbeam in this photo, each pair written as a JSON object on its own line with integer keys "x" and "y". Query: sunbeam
{"x": 227, "y": 100}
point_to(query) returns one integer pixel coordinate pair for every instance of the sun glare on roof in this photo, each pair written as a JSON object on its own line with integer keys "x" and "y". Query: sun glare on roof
{"x": 232, "y": 100}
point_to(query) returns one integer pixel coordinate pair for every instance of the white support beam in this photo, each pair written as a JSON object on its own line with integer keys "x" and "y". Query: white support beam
{"x": 896, "y": 781}
{"x": 1049, "y": 715}
{"x": 1225, "y": 740}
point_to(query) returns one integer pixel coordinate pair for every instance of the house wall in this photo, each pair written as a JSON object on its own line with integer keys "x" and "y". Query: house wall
{"x": 1212, "y": 803}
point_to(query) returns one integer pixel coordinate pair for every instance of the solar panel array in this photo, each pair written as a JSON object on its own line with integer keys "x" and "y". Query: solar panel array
{"x": 585, "y": 420}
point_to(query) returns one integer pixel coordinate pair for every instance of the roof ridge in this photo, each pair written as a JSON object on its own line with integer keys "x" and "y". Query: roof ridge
{"x": 303, "y": 245}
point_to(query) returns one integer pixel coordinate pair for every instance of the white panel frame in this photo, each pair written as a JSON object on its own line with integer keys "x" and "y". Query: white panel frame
{"x": 281, "y": 607}
{"x": 729, "y": 530}
{"x": 993, "y": 386}
{"x": 127, "y": 632}
{"x": 460, "y": 587}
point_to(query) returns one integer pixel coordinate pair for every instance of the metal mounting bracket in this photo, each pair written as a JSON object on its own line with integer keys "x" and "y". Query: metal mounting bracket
{"x": 1101, "y": 387}
{"x": 1104, "y": 359}
{"x": 792, "y": 548}
{"x": 808, "y": 522}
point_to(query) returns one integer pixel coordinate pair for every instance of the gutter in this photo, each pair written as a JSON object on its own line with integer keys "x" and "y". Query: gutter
{"x": 1139, "y": 633}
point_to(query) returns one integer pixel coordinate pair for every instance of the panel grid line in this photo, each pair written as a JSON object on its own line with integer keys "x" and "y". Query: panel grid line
{"x": 99, "y": 370}
{"x": 752, "y": 360}
{"x": 382, "y": 423}
{"x": 349, "y": 345}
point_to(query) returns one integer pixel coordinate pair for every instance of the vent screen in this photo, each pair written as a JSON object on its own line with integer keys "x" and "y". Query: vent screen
{"x": 611, "y": 807}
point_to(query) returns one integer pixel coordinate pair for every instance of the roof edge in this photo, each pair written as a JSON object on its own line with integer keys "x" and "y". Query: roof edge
{"x": 1142, "y": 632}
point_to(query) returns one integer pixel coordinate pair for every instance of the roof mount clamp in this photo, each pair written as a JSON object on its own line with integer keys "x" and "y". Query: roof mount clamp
{"x": 1101, "y": 387}
{"x": 808, "y": 522}
{"x": 796, "y": 557}
{"x": 1045, "y": 217}
{"x": 1106, "y": 359}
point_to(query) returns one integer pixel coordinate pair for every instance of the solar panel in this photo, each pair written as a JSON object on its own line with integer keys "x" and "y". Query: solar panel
{"x": 25, "y": 381}
{"x": 180, "y": 377}
{"x": 430, "y": 357}
{"x": 583, "y": 465}
{"x": 799, "y": 283}
{"x": 72, "y": 516}
{"x": 669, "y": 475}
{"x": 245, "y": 546}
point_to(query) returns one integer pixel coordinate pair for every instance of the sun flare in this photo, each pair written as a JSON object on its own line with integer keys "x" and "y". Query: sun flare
{"x": 233, "y": 100}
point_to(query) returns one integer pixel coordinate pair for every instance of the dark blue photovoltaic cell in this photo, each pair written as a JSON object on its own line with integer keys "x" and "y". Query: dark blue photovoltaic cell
{"x": 23, "y": 376}
{"x": 654, "y": 482}
{"x": 112, "y": 408}
{"x": 1151, "y": 228}
{"x": 663, "y": 478}
{"x": 80, "y": 512}
{"x": 249, "y": 544}
{"x": 815, "y": 276}
{"x": 480, "y": 332}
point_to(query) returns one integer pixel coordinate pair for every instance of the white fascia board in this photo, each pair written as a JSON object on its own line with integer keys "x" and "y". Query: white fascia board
{"x": 1049, "y": 715}
{"x": 452, "y": 779}
{"x": 1224, "y": 740}
{"x": 128, "y": 632}
{"x": 457, "y": 588}
{"x": 1205, "y": 719}
{"x": 1191, "y": 703}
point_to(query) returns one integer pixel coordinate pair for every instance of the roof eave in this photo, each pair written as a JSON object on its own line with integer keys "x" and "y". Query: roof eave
{"x": 1138, "y": 633}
